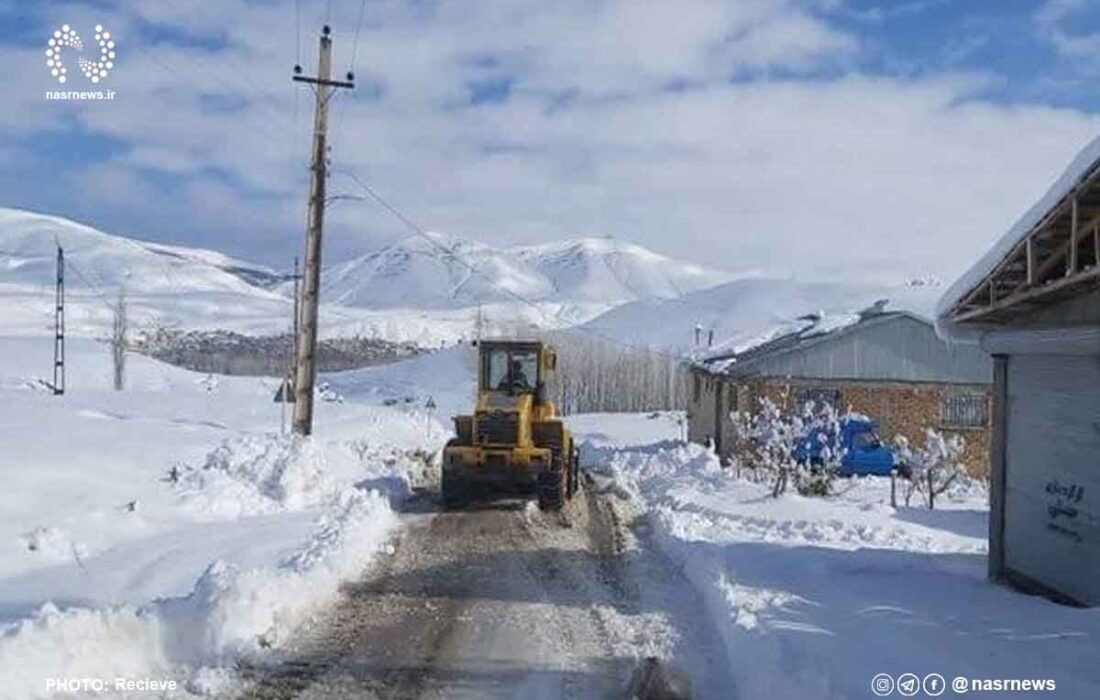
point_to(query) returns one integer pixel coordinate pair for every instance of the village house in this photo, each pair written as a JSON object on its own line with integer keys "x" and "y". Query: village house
{"x": 888, "y": 365}
{"x": 1033, "y": 303}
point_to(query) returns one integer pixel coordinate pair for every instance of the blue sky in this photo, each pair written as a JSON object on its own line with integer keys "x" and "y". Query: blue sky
{"x": 792, "y": 135}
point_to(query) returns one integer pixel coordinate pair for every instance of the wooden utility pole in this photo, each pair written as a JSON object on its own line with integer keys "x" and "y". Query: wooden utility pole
{"x": 59, "y": 327}
{"x": 306, "y": 341}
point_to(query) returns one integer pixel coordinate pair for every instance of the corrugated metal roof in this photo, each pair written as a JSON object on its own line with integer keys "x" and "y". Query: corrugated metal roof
{"x": 875, "y": 345}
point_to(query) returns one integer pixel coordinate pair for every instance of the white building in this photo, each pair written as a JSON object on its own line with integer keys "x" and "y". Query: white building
{"x": 1033, "y": 302}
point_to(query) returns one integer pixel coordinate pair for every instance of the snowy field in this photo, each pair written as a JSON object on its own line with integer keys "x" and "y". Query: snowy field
{"x": 171, "y": 530}
{"x": 172, "y": 526}
{"x": 816, "y": 596}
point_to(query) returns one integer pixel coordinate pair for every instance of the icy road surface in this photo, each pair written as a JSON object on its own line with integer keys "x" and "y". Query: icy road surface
{"x": 503, "y": 601}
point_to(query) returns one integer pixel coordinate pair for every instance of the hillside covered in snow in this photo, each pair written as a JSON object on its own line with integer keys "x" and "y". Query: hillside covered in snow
{"x": 747, "y": 310}
{"x": 452, "y": 272}
{"x": 420, "y": 291}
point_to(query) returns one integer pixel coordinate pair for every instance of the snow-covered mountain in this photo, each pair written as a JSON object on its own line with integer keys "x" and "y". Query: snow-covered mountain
{"x": 164, "y": 285}
{"x": 745, "y": 310}
{"x": 450, "y": 272}
{"x": 417, "y": 290}
{"x": 28, "y": 249}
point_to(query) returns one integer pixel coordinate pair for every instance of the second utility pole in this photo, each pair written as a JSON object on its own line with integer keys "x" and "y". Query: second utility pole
{"x": 306, "y": 342}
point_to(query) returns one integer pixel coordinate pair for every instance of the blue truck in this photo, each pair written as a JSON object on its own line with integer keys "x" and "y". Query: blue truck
{"x": 862, "y": 451}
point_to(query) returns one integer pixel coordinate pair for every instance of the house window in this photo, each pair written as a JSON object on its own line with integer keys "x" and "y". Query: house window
{"x": 965, "y": 411}
{"x": 818, "y": 396}
{"x": 695, "y": 389}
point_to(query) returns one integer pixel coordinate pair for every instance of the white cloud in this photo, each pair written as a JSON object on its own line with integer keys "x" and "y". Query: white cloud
{"x": 1059, "y": 23}
{"x": 851, "y": 175}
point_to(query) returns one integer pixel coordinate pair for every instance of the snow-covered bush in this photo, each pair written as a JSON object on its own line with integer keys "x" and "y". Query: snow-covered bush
{"x": 934, "y": 467}
{"x": 778, "y": 445}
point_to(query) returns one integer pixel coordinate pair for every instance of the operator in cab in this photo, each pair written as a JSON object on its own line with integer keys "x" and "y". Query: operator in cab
{"x": 515, "y": 381}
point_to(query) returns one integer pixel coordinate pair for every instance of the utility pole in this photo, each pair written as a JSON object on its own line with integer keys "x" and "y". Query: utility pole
{"x": 59, "y": 327}
{"x": 306, "y": 340}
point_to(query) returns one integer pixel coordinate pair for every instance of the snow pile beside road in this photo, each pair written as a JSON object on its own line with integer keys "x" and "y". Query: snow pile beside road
{"x": 78, "y": 643}
{"x": 231, "y": 613}
{"x": 253, "y": 475}
{"x": 815, "y": 596}
{"x": 234, "y": 613}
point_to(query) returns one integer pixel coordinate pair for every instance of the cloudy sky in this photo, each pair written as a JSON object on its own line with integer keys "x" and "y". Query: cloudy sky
{"x": 820, "y": 138}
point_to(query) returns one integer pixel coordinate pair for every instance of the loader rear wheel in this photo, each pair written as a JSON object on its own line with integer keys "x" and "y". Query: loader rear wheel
{"x": 574, "y": 475}
{"x": 552, "y": 486}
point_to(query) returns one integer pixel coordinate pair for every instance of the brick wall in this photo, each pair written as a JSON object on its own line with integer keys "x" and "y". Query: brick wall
{"x": 899, "y": 407}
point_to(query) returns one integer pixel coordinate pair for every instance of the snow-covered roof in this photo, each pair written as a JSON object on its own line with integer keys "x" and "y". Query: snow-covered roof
{"x": 803, "y": 332}
{"x": 869, "y": 345}
{"x": 1084, "y": 167}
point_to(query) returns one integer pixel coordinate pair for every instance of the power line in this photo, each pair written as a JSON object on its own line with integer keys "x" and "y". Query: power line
{"x": 257, "y": 119}
{"x": 473, "y": 269}
{"x": 70, "y": 265}
{"x": 239, "y": 66}
{"x": 358, "y": 27}
{"x": 298, "y": 32}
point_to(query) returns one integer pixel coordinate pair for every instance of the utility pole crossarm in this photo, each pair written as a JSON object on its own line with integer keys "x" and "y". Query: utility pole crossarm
{"x": 306, "y": 340}
{"x": 325, "y": 83}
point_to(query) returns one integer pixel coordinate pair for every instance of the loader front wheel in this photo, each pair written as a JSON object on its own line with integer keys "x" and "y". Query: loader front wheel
{"x": 453, "y": 490}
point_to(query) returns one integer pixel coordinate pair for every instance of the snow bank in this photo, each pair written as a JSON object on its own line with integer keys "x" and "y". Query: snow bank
{"x": 233, "y": 613}
{"x": 814, "y": 596}
{"x": 230, "y": 614}
{"x": 253, "y": 475}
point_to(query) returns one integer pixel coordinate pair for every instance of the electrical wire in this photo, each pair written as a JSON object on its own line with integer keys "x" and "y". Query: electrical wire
{"x": 70, "y": 265}
{"x": 297, "y": 32}
{"x": 232, "y": 83}
{"x": 355, "y": 43}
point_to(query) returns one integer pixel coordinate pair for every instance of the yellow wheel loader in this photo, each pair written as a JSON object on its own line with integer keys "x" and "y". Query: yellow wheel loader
{"x": 515, "y": 442}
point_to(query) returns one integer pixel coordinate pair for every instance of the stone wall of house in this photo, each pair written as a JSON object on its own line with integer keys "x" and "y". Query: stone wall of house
{"x": 711, "y": 398}
{"x": 701, "y": 405}
{"x": 900, "y": 408}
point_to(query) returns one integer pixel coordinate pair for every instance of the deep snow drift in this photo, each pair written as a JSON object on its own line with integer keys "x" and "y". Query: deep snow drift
{"x": 170, "y": 529}
{"x": 815, "y": 596}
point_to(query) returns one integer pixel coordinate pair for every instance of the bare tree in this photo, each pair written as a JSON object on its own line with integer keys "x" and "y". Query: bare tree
{"x": 933, "y": 467}
{"x": 118, "y": 340}
{"x": 596, "y": 375}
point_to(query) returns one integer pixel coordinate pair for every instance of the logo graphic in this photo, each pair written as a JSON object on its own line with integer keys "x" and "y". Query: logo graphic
{"x": 66, "y": 37}
{"x": 934, "y": 684}
{"x": 960, "y": 685}
{"x": 908, "y": 684}
{"x": 882, "y": 684}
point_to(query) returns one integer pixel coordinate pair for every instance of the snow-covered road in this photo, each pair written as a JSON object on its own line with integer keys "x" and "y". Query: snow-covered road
{"x": 502, "y": 601}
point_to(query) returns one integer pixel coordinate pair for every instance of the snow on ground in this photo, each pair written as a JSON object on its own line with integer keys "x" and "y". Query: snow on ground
{"x": 172, "y": 526}
{"x": 816, "y": 596}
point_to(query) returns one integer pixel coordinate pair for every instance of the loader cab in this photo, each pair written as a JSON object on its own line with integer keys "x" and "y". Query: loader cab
{"x": 514, "y": 368}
